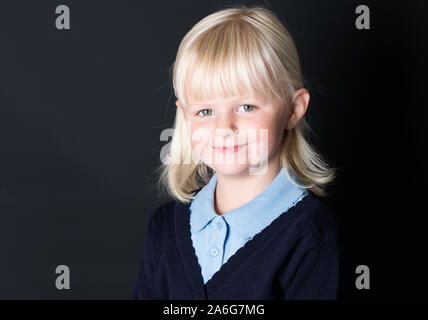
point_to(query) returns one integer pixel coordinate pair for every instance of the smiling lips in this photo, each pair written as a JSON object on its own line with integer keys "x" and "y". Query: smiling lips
{"x": 229, "y": 149}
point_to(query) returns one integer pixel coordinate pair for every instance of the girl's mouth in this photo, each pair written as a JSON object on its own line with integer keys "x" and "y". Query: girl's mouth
{"x": 226, "y": 150}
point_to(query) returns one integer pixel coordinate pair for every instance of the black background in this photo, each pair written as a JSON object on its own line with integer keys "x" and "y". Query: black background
{"x": 81, "y": 112}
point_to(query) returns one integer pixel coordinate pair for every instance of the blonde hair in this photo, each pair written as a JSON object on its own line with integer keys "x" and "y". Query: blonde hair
{"x": 235, "y": 50}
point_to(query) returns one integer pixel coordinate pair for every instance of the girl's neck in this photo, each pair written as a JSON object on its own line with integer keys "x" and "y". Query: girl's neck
{"x": 232, "y": 192}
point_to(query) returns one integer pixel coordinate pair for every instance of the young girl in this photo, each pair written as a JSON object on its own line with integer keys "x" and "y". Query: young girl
{"x": 246, "y": 220}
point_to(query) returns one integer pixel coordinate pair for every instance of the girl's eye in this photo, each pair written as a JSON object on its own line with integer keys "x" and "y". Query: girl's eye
{"x": 208, "y": 112}
{"x": 247, "y": 107}
{"x": 204, "y": 113}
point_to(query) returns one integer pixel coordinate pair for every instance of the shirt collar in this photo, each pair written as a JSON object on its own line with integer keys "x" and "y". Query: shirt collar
{"x": 252, "y": 217}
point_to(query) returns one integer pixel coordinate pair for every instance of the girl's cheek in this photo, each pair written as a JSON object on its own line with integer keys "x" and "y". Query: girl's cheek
{"x": 263, "y": 142}
{"x": 274, "y": 138}
{"x": 199, "y": 136}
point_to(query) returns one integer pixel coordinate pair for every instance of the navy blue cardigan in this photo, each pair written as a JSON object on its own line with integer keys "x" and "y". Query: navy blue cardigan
{"x": 296, "y": 257}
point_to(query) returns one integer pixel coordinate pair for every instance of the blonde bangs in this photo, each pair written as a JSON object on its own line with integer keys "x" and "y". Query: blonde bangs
{"x": 230, "y": 60}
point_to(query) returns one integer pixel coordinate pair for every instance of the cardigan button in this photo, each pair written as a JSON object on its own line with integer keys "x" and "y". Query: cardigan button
{"x": 214, "y": 251}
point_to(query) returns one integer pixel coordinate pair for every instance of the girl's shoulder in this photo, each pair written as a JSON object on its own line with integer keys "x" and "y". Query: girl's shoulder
{"x": 160, "y": 226}
{"x": 318, "y": 217}
{"x": 162, "y": 212}
{"x": 168, "y": 208}
{"x": 167, "y": 213}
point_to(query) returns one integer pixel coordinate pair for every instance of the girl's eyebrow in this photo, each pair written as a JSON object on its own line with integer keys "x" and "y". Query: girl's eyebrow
{"x": 233, "y": 100}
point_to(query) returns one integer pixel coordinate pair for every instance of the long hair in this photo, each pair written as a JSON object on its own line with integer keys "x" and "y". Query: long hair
{"x": 235, "y": 50}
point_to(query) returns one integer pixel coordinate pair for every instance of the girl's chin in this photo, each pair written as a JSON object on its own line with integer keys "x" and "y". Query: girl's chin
{"x": 231, "y": 169}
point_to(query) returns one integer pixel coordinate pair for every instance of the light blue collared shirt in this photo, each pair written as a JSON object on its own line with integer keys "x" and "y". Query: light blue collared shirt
{"x": 217, "y": 237}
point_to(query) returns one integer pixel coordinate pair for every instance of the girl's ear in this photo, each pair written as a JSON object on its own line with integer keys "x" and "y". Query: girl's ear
{"x": 298, "y": 108}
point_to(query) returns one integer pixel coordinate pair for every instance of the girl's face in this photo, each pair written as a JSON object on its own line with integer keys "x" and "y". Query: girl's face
{"x": 232, "y": 135}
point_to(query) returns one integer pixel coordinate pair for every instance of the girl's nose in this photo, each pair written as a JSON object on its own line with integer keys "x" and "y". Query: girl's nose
{"x": 225, "y": 126}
